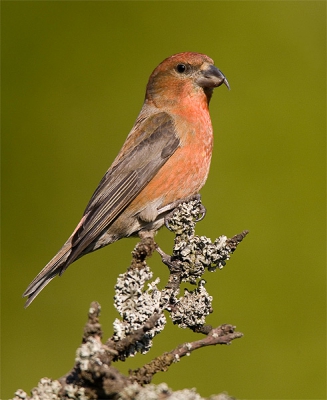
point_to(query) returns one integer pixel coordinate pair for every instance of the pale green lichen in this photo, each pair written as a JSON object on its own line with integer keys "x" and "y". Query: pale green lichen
{"x": 136, "y": 305}
{"x": 48, "y": 389}
{"x": 87, "y": 351}
{"x": 192, "y": 308}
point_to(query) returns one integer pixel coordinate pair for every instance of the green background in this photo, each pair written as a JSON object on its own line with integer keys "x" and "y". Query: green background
{"x": 73, "y": 81}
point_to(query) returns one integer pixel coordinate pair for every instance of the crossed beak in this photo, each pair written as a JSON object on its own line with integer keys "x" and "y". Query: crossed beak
{"x": 212, "y": 77}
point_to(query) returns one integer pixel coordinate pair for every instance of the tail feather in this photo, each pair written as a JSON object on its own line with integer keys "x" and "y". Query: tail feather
{"x": 54, "y": 267}
{"x": 38, "y": 289}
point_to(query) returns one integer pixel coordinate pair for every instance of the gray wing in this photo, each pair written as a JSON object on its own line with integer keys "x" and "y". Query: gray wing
{"x": 132, "y": 170}
{"x": 125, "y": 180}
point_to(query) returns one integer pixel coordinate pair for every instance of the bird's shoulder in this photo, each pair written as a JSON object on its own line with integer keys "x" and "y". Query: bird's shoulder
{"x": 151, "y": 142}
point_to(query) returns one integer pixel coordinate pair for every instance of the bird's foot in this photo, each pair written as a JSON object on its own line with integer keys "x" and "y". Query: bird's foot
{"x": 175, "y": 204}
{"x": 202, "y": 213}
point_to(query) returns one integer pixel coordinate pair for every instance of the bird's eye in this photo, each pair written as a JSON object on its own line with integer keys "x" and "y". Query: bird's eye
{"x": 181, "y": 68}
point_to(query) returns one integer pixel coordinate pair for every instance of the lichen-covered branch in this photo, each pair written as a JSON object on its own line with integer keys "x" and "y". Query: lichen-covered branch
{"x": 141, "y": 305}
{"x": 224, "y": 334}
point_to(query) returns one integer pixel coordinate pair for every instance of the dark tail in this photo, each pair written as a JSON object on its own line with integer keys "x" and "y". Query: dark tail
{"x": 55, "y": 267}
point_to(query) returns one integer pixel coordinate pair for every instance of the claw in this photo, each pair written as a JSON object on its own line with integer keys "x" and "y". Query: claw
{"x": 196, "y": 196}
{"x": 203, "y": 212}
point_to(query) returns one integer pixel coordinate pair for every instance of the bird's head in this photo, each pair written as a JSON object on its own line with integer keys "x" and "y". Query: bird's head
{"x": 184, "y": 77}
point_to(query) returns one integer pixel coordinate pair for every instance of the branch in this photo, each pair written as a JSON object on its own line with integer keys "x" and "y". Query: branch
{"x": 141, "y": 306}
{"x": 224, "y": 334}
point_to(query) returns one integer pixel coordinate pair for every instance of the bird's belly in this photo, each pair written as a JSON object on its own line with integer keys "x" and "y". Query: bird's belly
{"x": 182, "y": 176}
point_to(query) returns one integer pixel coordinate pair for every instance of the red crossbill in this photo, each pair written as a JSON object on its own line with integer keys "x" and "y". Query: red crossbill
{"x": 165, "y": 159}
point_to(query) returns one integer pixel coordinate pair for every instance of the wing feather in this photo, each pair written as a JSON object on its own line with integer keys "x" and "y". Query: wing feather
{"x": 125, "y": 179}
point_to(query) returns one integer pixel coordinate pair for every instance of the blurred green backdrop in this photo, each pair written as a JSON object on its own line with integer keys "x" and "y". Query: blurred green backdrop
{"x": 73, "y": 81}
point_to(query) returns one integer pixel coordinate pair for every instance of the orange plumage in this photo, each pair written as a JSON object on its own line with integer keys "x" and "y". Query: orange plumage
{"x": 165, "y": 159}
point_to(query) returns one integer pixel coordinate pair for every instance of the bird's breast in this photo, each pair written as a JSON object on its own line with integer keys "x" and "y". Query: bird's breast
{"x": 186, "y": 171}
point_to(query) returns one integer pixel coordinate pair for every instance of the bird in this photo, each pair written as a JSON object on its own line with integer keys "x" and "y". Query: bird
{"x": 165, "y": 159}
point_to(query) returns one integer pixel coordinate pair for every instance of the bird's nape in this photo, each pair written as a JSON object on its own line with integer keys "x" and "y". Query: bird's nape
{"x": 165, "y": 159}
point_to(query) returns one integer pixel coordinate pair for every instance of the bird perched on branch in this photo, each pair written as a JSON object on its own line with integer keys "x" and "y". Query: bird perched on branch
{"x": 165, "y": 159}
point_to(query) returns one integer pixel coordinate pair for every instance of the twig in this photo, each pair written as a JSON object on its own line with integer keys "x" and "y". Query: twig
{"x": 224, "y": 334}
{"x": 141, "y": 306}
